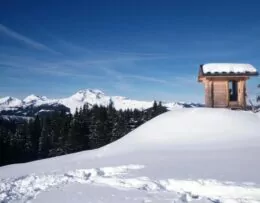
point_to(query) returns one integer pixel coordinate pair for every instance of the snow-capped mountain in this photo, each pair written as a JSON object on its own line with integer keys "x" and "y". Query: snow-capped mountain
{"x": 9, "y": 102}
{"x": 77, "y": 100}
{"x": 34, "y": 99}
{"x": 93, "y": 97}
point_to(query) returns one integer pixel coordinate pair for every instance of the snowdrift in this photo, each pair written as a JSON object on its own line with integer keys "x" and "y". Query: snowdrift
{"x": 196, "y": 128}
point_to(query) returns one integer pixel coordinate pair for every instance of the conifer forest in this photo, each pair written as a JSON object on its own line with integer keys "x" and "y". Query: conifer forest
{"x": 62, "y": 133}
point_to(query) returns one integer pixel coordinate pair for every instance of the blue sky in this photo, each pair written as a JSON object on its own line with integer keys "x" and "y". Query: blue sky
{"x": 139, "y": 49}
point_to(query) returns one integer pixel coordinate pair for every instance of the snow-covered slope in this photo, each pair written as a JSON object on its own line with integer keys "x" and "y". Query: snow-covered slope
{"x": 185, "y": 155}
{"x": 82, "y": 97}
{"x": 191, "y": 128}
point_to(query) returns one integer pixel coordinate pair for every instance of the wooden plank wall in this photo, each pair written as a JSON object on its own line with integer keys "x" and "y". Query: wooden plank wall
{"x": 220, "y": 93}
{"x": 241, "y": 93}
{"x": 208, "y": 93}
{"x": 217, "y": 92}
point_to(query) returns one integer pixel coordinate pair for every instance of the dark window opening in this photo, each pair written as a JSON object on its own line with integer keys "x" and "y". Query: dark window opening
{"x": 232, "y": 90}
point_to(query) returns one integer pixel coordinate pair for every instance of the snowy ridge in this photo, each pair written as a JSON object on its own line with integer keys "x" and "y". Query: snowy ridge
{"x": 82, "y": 97}
{"x": 211, "y": 128}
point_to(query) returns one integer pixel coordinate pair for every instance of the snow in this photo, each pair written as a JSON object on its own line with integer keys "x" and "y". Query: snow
{"x": 33, "y": 98}
{"x": 228, "y": 68}
{"x": 207, "y": 128}
{"x": 13, "y": 118}
{"x": 82, "y": 97}
{"x": 10, "y": 102}
{"x": 28, "y": 187}
{"x": 186, "y": 155}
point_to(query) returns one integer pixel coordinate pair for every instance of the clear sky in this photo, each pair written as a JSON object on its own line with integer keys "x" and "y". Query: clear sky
{"x": 139, "y": 49}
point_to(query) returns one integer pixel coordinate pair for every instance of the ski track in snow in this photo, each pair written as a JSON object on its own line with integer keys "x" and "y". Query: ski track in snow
{"x": 26, "y": 188}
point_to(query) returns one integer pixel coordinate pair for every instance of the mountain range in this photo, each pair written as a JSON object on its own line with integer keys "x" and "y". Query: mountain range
{"x": 34, "y": 105}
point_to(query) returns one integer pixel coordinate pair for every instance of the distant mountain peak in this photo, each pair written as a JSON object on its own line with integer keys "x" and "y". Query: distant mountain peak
{"x": 10, "y": 101}
{"x": 91, "y": 91}
{"x": 85, "y": 94}
{"x": 33, "y": 98}
{"x": 6, "y": 99}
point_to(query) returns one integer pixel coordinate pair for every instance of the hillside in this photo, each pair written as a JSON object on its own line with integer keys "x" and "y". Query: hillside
{"x": 185, "y": 155}
{"x": 33, "y": 105}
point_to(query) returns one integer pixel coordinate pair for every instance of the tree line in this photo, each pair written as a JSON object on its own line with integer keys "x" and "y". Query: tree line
{"x": 62, "y": 133}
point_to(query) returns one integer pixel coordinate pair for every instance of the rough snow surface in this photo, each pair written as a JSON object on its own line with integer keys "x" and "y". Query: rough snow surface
{"x": 26, "y": 188}
{"x": 186, "y": 155}
{"x": 228, "y": 68}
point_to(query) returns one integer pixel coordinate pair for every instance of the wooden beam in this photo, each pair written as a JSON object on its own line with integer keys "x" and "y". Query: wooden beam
{"x": 227, "y": 93}
{"x": 208, "y": 93}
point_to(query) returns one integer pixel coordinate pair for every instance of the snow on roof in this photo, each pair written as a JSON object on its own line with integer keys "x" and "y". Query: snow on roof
{"x": 228, "y": 68}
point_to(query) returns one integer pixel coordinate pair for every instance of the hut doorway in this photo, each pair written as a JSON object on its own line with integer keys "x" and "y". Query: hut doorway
{"x": 219, "y": 93}
{"x": 233, "y": 90}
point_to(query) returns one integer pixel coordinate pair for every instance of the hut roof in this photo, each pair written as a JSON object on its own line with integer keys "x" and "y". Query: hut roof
{"x": 216, "y": 69}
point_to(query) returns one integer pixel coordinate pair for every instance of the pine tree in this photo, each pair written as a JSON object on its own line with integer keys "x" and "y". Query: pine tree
{"x": 103, "y": 127}
{"x": 120, "y": 126}
{"x": 154, "y": 109}
{"x": 258, "y": 96}
{"x": 94, "y": 125}
{"x": 28, "y": 141}
{"x": 110, "y": 122}
{"x": 1, "y": 147}
{"x": 4, "y": 145}
{"x": 36, "y": 132}
{"x": 67, "y": 134}
{"x": 18, "y": 143}
{"x": 85, "y": 126}
{"x": 43, "y": 150}
{"x": 161, "y": 108}
{"x": 99, "y": 127}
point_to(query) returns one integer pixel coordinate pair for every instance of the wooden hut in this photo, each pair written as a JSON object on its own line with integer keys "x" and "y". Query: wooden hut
{"x": 225, "y": 84}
